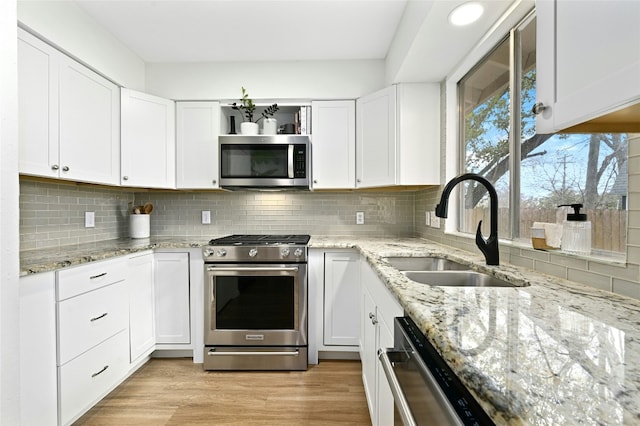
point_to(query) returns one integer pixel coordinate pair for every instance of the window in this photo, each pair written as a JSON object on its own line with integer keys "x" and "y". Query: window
{"x": 534, "y": 173}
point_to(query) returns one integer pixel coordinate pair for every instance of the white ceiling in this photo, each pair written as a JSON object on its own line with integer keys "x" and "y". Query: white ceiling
{"x": 280, "y": 30}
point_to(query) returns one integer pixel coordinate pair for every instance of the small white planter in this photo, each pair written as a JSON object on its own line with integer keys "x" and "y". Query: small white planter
{"x": 248, "y": 128}
{"x": 139, "y": 225}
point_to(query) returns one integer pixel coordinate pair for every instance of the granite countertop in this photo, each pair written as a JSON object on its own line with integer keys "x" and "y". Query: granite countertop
{"x": 552, "y": 352}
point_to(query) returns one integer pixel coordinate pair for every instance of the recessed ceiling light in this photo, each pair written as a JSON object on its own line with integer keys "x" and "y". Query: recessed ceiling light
{"x": 466, "y": 13}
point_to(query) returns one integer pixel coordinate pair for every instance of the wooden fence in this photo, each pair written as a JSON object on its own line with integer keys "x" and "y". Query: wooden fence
{"x": 608, "y": 227}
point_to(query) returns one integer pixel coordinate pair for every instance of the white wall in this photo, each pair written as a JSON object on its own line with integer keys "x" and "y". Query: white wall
{"x": 266, "y": 80}
{"x": 9, "y": 217}
{"x": 67, "y": 26}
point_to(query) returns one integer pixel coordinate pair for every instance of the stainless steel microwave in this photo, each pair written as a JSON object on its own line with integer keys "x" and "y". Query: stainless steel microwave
{"x": 265, "y": 162}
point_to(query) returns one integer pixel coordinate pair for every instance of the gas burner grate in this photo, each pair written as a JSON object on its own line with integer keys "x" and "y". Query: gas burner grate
{"x": 258, "y": 239}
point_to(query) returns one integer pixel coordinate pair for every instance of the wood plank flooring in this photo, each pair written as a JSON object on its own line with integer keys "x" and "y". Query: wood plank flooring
{"x": 179, "y": 392}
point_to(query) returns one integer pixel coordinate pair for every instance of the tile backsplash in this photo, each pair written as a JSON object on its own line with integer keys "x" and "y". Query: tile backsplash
{"x": 52, "y": 214}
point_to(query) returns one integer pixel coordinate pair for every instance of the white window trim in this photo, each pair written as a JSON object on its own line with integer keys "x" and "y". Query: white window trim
{"x": 516, "y": 13}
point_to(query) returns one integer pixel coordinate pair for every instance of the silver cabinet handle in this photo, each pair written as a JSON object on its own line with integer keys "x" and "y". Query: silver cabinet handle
{"x": 373, "y": 318}
{"x": 98, "y": 276}
{"x": 65, "y": 169}
{"x": 99, "y": 317}
{"x": 125, "y": 177}
{"x": 538, "y": 108}
{"x": 214, "y": 181}
{"x": 396, "y": 390}
{"x": 55, "y": 167}
{"x": 100, "y": 372}
{"x": 315, "y": 181}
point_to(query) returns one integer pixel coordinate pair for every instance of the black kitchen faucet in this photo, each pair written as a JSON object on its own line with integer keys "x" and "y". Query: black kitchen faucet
{"x": 488, "y": 247}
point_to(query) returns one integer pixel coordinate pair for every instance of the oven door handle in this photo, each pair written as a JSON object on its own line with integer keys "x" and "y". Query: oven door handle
{"x": 252, "y": 268}
{"x": 396, "y": 390}
{"x": 212, "y": 352}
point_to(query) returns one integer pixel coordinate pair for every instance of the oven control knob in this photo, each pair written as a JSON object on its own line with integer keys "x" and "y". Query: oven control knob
{"x": 221, "y": 253}
{"x": 298, "y": 252}
{"x": 207, "y": 252}
{"x": 253, "y": 252}
{"x": 284, "y": 251}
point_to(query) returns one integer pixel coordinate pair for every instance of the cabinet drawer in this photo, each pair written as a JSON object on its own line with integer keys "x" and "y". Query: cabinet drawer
{"x": 81, "y": 279}
{"x": 86, "y": 379}
{"x": 91, "y": 318}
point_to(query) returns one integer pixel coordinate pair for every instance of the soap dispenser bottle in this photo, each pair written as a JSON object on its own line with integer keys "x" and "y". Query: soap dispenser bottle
{"x": 576, "y": 231}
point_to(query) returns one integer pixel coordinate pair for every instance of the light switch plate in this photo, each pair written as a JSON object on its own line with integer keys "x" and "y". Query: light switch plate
{"x": 89, "y": 219}
{"x": 359, "y": 218}
{"x": 206, "y": 217}
{"x": 427, "y": 218}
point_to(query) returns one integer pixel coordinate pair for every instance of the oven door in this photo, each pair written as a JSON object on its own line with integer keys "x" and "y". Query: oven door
{"x": 256, "y": 305}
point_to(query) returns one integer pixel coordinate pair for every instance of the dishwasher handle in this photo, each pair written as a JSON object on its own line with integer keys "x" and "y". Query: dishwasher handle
{"x": 401, "y": 401}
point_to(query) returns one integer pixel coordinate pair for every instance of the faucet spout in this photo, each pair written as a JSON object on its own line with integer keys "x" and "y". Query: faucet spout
{"x": 489, "y": 246}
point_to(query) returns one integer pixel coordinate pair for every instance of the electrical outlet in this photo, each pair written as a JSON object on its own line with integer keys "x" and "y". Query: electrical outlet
{"x": 427, "y": 218}
{"x": 89, "y": 219}
{"x": 206, "y": 217}
{"x": 435, "y": 220}
{"x": 359, "y": 218}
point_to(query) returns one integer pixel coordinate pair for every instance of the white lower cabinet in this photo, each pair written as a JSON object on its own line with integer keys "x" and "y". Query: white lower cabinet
{"x": 89, "y": 377}
{"x": 38, "y": 380}
{"x": 379, "y": 308}
{"x": 92, "y": 334}
{"x": 341, "y": 298}
{"x": 173, "y": 317}
{"x": 142, "y": 330}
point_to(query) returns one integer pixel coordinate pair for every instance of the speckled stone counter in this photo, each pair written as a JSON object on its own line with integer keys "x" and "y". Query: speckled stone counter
{"x": 51, "y": 259}
{"x": 550, "y": 353}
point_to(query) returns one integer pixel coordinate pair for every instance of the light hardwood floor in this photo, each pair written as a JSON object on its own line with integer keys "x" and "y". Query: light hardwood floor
{"x": 178, "y": 392}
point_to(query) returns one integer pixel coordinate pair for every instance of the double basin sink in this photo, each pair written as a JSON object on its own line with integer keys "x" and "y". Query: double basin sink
{"x": 437, "y": 271}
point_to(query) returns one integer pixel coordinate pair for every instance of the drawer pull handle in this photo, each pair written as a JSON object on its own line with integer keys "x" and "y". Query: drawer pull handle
{"x": 98, "y": 276}
{"x": 100, "y": 372}
{"x": 98, "y": 317}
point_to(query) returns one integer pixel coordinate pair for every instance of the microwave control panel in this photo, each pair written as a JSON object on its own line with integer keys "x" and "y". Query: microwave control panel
{"x": 300, "y": 161}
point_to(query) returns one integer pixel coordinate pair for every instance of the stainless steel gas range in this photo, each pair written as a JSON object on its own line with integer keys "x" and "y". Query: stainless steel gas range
{"x": 256, "y": 302}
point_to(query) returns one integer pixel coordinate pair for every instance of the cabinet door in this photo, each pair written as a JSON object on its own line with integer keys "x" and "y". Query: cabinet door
{"x": 197, "y": 149}
{"x": 342, "y": 299}
{"x": 148, "y": 140}
{"x": 172, "y": 298}
{"x": 375, "y": 139}
{"x": 37, "y": 106}
{"x": 142, "y": 333}
{"x": 596, "y": 50}
{"x": 368, "y": 344}
{"x": 38, "y": 380}
{"x": 89, "y": 125}
{"x": 333, "y": 144}
{"x": 418, "y": 134}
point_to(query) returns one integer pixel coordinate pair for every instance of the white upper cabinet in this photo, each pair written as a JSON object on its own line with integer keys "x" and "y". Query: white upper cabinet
{"x": 148, "y": 141}
{"x": 197, "y": 152}
{"x": 334, "y": 144}
{"x": 588, "y": 59}
{"x": 397, "y": 136}
{"x": 69, "y": 117}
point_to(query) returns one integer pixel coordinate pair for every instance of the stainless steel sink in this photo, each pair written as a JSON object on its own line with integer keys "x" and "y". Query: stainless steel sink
{"x": 457, "y": 279}
{"x": 425, "y": 264}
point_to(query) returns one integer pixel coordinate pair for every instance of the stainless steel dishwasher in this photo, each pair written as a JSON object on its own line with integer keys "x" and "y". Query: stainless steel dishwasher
{"x": 425, "y": 389}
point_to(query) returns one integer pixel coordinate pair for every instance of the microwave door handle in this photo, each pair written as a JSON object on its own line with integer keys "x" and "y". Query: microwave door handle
{"x": 290, "y": 168}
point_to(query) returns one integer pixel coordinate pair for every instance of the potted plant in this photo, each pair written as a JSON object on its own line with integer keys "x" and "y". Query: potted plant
{"x": 247, "y": 109}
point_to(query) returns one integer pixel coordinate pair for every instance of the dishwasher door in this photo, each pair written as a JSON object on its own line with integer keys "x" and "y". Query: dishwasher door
{"x": 425, "y": 389}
